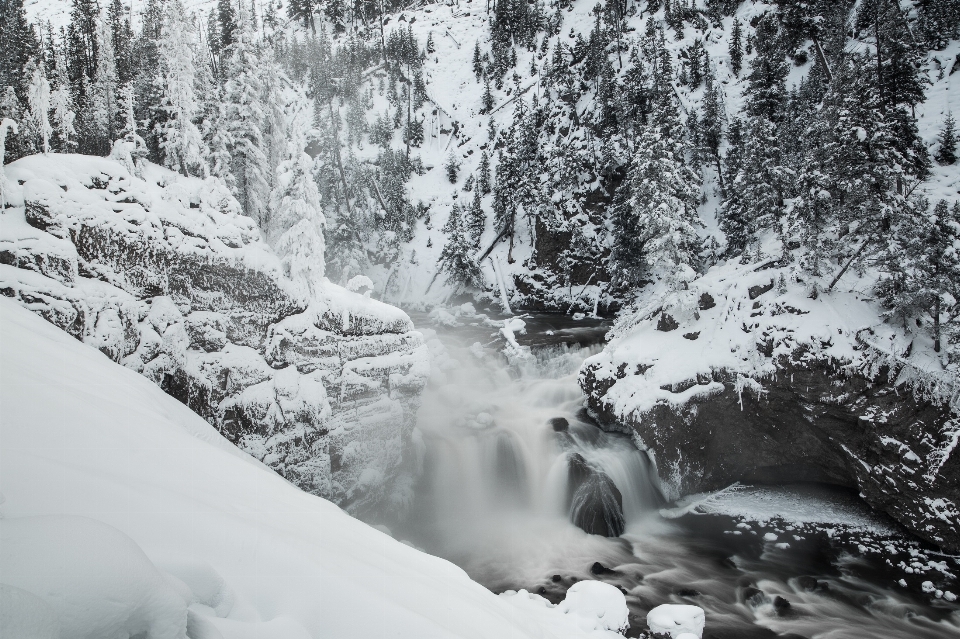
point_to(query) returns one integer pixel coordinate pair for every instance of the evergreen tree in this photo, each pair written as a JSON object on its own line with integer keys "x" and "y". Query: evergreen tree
{"x": 476, "y": 221}
{"x": 455, "y": 257}
{"x": 244, "y": 118}
{"x": 303, "y": 11}
{"x": 38, "y": 97}
{"x": 227, "y": 19}
{"x": 924, "y": 265}
{"x": 487, "y": 100}
{"x": 736, "y": 48}
{"x": 18, "y": 45}
{"x": 61, "y": 101}
{"x": 655, "y": 218}
{"x": 452, "y": 168}
{"x": 297, "y": 221}
{"x": 754, "y": 197}
{"x": 477, "y": 61}
{"x": 182, "y": 144}
{"x": 948, "y": 141}
{"x": 483, "y": 182}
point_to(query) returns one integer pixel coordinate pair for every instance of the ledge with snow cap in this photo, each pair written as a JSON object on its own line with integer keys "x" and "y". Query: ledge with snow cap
{"x": 754, "y": 374}
{"x": 163, "y": 274}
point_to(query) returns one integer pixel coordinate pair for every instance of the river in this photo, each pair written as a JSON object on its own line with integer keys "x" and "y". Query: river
{"x": 497, "y": 434}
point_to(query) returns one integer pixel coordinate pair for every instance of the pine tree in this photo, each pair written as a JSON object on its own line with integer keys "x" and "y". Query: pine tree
{"x": 755, "y": 197}
{"x": 455, "y": 257}
{"x": 948, "y": 141}
{"x": 244, "y": 117}
{"x": 736, "y": 48}
{"x": 452, "y": 168}
{"x": 924, "y": 266}
{"x": 487, "y": 100}
{"x": 38, "y": 97}
{"x": 182, "y": 144}
{"x": 476, "y": 221}
{"x": 227, "y": 18}
{"x": 104, "y": 106}
{"x": 297, "y": 221}
{"x": 303, "y": 11}
{"x": 477, "y": 61}
{"x": 483, "y": 182}
{"x": 6, "y": 125}
{"x": 656, "y": 219}
{"x": 18, "y": 45}
{"x": 61, "y": 101}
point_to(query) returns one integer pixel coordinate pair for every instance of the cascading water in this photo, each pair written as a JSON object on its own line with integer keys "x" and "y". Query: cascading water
{"x": 516, "y": 476}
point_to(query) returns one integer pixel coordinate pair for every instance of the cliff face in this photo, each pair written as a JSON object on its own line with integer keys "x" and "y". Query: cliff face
{"x": 740, "y": 379}
{"x": 164, "y": 275}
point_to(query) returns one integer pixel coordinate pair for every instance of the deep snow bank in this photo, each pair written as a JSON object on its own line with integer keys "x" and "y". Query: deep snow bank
{"x": 749, "y": 376}
{"x": 125, "y": 513}
{"x": 164, "y": 275}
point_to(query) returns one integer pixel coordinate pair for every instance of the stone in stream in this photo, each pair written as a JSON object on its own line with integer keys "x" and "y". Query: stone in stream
{"x": 593, "y": 500}
{"x": 560, "y": 424}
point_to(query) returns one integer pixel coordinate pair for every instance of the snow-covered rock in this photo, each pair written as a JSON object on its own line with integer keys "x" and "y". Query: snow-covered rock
{"x": 598, "y": 604}
{"x": 127, "y": 515}
{"x": 756, "y": 374}
{"x": 164, "y": 275}
{"x": 676, "y": 621}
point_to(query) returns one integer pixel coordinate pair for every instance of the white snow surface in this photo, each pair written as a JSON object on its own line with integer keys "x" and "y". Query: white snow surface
{"x": 125, "y": 512}
{"x": 676, "y": 620}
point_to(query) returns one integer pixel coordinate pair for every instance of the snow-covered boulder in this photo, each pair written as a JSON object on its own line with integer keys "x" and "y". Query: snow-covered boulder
{"x": 597, "y": 605}
{"x": 676, "y": 621}
{"x": 163, "y": 274}
{"x": 756, "y": 374}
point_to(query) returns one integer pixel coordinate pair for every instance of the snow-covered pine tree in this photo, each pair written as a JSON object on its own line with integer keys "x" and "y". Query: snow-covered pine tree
{"x": 6, "y": 125}
{"x": 297, "y": 221}
{"x": 656, "y": 226}
{"x": 104, "y": 106}
{"x": 184, "y": 149}
{"x": 18, "y": 45}
{"x": 61, "y": 102}
{"x": 483, "y": 181}
{"x": 736, "y": 47}
{"x": 455, "y": 258}
{"x": 452, "y": 168}
{"x": 38, "y": 97}
{"x": 244, "y": 115}
{"x": 476, "y": 221}
{"x": 923, "y": 262}
{"x": 947, "y": 153}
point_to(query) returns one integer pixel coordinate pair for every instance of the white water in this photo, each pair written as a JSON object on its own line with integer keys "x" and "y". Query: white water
{"x": 492, "y": 499}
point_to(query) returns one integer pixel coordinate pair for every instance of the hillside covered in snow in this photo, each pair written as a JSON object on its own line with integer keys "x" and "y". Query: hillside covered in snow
{"x": 125, "y": 514}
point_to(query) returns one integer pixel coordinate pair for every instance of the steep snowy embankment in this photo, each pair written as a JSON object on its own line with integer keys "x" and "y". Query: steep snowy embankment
{"x": 123, "y": 508}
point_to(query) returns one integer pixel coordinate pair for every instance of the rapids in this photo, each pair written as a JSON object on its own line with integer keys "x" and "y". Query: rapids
{"x": 497, "y": 435}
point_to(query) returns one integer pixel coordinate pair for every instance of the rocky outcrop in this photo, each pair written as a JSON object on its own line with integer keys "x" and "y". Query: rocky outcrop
{"x": 780, "y": 387}
{"x": 163, "y": 275}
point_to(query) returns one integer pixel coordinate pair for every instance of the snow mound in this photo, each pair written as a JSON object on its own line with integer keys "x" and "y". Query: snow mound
{"x": 26, "y": 616}
{"x": 599, "y": 605}
{"x": 114, "y": 488}
{"x": 97, "y": 580}
{"x": 591, "y": 608}
{"x": 676, "y": 620}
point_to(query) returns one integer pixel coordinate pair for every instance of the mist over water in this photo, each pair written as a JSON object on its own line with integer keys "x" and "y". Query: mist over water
{"x": 498, "y": 436}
